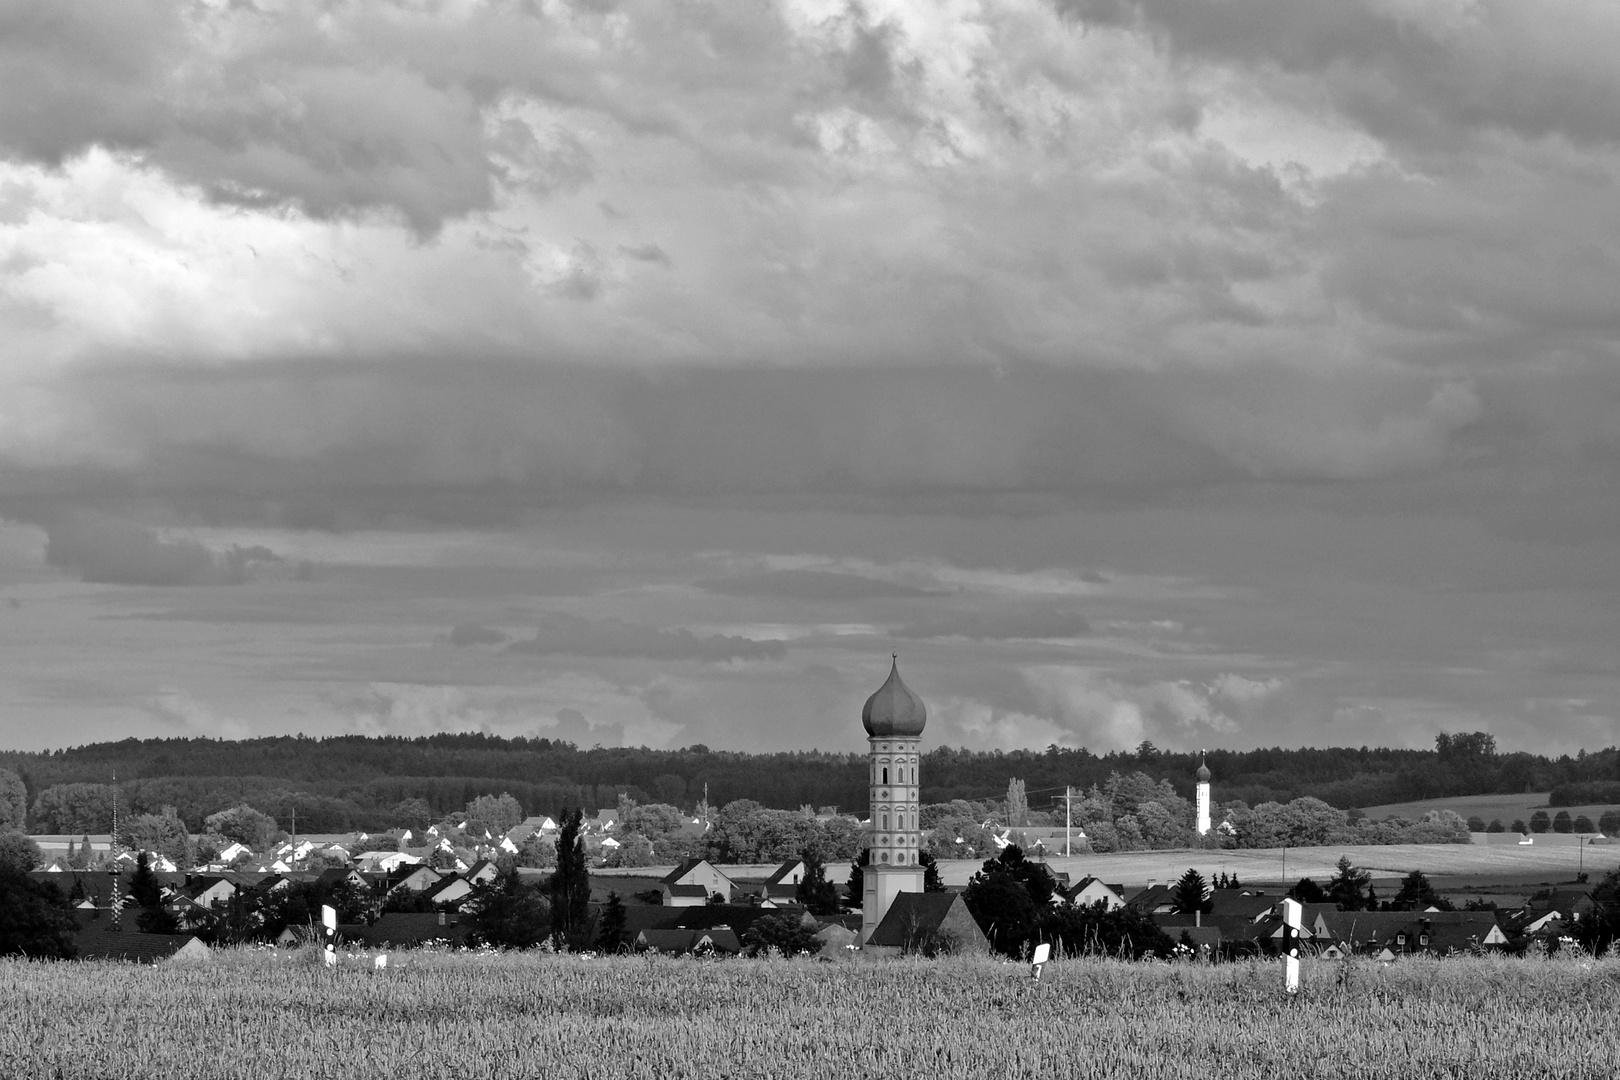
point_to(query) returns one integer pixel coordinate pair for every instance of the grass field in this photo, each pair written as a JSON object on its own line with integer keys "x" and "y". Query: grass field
{"x": 1463, "y": 864}
{"x": 482, "y": 1017}
{"x": 1503, "y": 807}
{"x": 1265, "y": 866}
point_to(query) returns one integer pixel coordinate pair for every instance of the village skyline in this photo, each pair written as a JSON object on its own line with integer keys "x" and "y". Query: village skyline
{"x": 646, "y": 374}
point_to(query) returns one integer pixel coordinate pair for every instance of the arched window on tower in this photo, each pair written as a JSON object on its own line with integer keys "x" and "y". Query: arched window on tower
{"x": 885, "y": 825}
{"x": 885, "y": 776}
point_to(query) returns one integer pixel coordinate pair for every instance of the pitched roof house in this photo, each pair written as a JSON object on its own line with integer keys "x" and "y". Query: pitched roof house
{"x": 702, "y": 873}
{"x": 677, "y": 941}
{"x": 684, "y": 895}
{"x": 402, "y": 928}
{"x": 450, "y": 892}
{"x": 1092, "y": 890}
{"x": 1404, "y": 932}
{"x": 917, "y": 921}
{"x": 97, "y": 940}
{"x": 414, "y": 879}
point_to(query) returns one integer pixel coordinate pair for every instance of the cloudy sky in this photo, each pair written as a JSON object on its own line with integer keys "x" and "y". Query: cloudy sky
{"x": 1228, "y": 373}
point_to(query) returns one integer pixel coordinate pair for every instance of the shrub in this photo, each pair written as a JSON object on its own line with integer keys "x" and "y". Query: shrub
{"x": 784, "y": 933}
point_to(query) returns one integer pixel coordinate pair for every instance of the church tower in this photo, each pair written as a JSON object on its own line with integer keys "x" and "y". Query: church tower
{"x": 1203, "y": 796}
{"x": 893, "y": 718}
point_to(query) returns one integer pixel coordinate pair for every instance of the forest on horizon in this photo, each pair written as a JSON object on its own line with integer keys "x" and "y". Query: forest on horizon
{"x": 353, "y": 782}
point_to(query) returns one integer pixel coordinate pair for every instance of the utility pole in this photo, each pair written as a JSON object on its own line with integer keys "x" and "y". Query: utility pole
{"x": 1068, "y": 798}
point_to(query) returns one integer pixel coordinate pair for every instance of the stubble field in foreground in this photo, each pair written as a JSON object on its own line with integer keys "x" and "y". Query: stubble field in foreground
{"x": 266, "y": 1015}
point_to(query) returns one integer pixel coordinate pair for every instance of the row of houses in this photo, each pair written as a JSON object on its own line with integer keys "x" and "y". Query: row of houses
{"x": 1250, "y": 921}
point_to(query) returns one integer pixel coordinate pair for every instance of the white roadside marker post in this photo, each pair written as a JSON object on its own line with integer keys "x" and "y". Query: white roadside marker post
{"x": 329, "y": 931}
{"x": 1043, "y": 953}
{"x": 1292, "y": 925}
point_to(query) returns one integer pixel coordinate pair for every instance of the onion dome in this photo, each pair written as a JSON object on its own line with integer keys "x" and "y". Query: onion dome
{"x": 1203, "y": 770}
{"x": 894, "y": 711}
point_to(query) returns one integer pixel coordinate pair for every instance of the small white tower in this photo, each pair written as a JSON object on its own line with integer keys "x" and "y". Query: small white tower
{"x": 1203, "y": 796}
{"x": 893, "y": 718}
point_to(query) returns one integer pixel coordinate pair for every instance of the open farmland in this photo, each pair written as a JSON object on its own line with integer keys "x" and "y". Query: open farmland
{"x": 1547, "y": 860}
{"x": 1504, "y": 808}
{"x": 1508, "y": 863}
{"x": 492, "y": 1016}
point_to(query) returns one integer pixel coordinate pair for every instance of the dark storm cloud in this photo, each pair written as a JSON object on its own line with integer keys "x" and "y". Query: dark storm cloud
{"x": 572, "y": 635}
{"x": 108, "y": 550}
{"x": 478, "y": 442}
{"x": 1409, "y": 72}
{"x": 465, "y": 634}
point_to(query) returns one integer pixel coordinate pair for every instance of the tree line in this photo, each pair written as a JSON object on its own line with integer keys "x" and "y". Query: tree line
{"x": 350, "y": 783}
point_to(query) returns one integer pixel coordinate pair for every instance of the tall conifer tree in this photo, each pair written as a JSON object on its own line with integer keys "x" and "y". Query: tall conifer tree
{"x": 570, "y": 885}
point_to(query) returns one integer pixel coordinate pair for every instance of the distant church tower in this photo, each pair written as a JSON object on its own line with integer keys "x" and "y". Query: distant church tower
{"x": 1203, "y": 796}
{"x": 893, "y": 718}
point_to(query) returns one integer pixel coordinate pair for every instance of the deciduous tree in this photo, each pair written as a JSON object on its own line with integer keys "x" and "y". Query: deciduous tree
{"x": 19, "y": 853}
{"x": 499, "y": 812}
{"x": 13, "y": 802}
{"x": 1096, "y": 931}
{"x": 35, "y": 919}
{"x": 242, "y": 824}
{"x": 510, "y": 913}
{"x": 80, "y": 808}
{"x": 1307, "y": 891}
{"x": 1599, "y": 930}
{"x": 784, "y": 933}
{"x": 164, "y": 834}
{"x": 1006, "y": 897}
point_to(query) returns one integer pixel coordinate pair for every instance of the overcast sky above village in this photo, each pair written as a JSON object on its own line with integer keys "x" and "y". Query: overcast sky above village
{"x": 1220, "y": 374}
